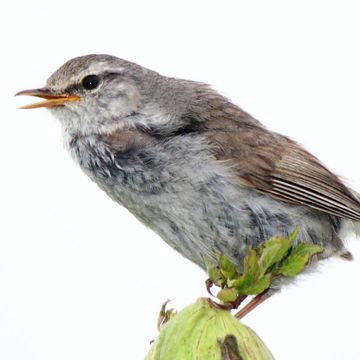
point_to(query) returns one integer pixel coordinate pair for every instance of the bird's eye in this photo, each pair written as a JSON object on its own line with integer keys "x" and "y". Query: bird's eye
{"x": 90, "y": 82}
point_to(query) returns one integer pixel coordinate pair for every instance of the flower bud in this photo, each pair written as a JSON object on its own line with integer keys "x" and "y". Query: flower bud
{"x": 203, "y": 331}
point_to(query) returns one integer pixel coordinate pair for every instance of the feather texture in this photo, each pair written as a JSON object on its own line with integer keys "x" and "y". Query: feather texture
{"x": 279, "y": 167}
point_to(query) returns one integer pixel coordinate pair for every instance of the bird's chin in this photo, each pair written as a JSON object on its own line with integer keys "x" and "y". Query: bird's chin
{"x": 77, "y": 124}
{"x": 67, "y": 118}
{"x": 60, "y": 112}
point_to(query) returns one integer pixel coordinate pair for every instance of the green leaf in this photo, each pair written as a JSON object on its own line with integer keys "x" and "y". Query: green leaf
{"x": 294, "y": 266}
{"x": 293, "y": 234}
{"x": 297, "y": 259}
{"x": 257, "y": 286}
{"x": 251, "y": 265}
{"x": 214, "y": 273}
{"x": 306, "y": 248}
{"x": 227, "y": 268}
{"x": 227, "y": 295}
{"x": 250, "y": 273}
{"x": 252, "y": 281}
{"x": 216, "y": 276}
{"x": 274, "y": 250}
{"x": 244, "y": 281}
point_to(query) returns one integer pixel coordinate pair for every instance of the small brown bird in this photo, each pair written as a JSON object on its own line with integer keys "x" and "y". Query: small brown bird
{"x": 191, "y": 165}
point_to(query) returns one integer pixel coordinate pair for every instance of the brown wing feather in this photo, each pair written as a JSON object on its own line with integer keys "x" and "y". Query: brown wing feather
{"x": 281, "y": 168}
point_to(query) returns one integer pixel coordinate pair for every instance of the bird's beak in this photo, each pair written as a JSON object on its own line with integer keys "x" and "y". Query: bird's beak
{"x": 51, "y": 100}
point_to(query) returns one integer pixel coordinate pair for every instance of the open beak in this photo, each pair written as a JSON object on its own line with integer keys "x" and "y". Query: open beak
{"x": 51, "y": 100}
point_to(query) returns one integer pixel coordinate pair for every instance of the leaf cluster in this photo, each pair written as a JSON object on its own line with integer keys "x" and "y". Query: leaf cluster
{"x": 277, "y": 257}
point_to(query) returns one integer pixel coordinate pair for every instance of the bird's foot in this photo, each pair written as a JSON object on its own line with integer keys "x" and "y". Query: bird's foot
{"x": 231, "y": 305}
{"x": 209, "y": 284}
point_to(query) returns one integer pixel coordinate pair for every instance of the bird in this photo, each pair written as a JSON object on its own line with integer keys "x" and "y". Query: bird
{"x": 190, "y": 164}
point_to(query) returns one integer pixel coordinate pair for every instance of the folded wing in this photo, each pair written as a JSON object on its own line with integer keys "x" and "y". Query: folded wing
{"x": 279, "y": 167}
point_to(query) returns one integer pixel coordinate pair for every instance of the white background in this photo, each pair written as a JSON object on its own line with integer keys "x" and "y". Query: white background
{"x": 79, "y": 277}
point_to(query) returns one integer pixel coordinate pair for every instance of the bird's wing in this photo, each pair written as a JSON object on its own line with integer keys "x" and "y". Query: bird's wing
{"x": 277, "y": 166}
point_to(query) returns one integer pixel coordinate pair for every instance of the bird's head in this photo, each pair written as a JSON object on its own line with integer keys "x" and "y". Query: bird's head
{"x": 98, "y": 93}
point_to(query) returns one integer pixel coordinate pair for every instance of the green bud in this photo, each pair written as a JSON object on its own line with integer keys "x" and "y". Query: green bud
{"x": 203, "y": 331}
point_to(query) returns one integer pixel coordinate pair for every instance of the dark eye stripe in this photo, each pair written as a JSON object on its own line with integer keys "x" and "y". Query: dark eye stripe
{"x": 72, "y": 89}
{"x": 107, "y": 75}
